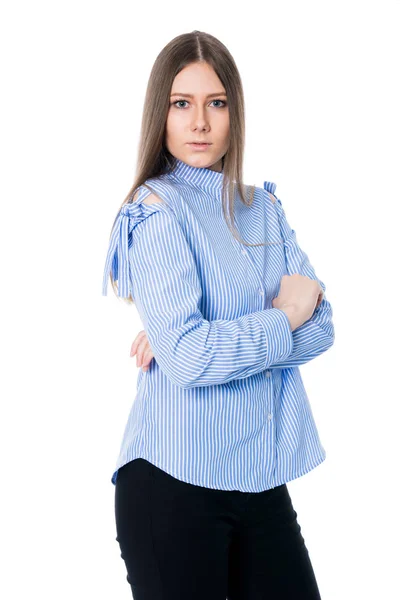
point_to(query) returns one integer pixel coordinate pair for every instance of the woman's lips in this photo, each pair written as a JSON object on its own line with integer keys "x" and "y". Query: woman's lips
{"x": 199, "y": 146}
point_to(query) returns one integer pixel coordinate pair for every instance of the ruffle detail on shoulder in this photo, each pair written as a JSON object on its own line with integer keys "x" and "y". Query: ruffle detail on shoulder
{"x": 117, "y": 261}
{"x": 286, "y": 230}
{"x": 270, "y": 186}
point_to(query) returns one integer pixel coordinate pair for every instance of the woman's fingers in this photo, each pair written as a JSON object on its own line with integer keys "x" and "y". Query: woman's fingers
{"x": 147, "y": 357}
{"x": 142, "y": 349}
{"x": 139, "y": 354}
{"x": 276, "y": 302}
{"x": 138, "y": 339}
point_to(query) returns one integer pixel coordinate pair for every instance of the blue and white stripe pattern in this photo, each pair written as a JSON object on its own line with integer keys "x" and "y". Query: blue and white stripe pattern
{"x": 223, "y": 404}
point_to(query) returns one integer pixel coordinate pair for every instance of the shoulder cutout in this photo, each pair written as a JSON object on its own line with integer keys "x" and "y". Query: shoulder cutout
{"x": 135, "y": 197}
{"x": 152, "y": 199}
{"x": 272, "y": 197}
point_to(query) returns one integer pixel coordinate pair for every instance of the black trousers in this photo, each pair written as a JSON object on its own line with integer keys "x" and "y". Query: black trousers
{"x": 185, "y": 542}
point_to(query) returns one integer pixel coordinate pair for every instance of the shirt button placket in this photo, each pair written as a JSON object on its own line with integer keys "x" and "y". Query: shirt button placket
{"x": 245, "y": 253}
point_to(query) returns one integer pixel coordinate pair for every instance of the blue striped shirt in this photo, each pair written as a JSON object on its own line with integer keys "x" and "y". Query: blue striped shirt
{"x": 223, "y": 404}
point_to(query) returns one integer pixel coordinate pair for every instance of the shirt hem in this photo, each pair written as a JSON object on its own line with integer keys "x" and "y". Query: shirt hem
{"x": 279, "y": 481}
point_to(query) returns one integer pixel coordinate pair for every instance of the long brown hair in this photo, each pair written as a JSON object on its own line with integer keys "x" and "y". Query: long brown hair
{"x": 154, "y": 159}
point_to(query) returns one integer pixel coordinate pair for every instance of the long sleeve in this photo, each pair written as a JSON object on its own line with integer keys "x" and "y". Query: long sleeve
{"x": 317, "y": 334}
{"x": 190, "y": 350}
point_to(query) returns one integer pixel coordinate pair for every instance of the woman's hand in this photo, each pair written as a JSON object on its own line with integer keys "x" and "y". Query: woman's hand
{"x": 277, "y": 302}
{"x": 141, "y": 347}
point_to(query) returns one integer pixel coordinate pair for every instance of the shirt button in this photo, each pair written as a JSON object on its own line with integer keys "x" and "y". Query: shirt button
{"x": 267, "y": 373}
{"x": 261, "y": 291}
{"x": 269, "y": 416}
{"x": 244, "y": 252}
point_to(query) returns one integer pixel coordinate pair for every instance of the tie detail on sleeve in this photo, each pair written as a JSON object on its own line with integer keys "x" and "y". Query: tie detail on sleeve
{"x": 129, "y": 216}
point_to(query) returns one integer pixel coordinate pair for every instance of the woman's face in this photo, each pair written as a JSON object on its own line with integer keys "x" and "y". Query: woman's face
{"x": 198, "y": 111}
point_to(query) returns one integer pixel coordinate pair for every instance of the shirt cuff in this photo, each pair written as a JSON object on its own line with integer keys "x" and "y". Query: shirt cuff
{"x": 278, "y": 333}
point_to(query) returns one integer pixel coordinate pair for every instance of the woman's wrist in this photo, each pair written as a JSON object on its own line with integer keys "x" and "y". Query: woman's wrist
{"x": 292, "y": 313}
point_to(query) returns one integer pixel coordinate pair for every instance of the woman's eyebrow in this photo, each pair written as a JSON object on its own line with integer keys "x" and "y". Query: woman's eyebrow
{"x": 191, "y": 95}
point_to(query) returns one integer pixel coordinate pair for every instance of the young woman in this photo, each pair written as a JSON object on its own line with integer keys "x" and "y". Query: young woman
{"x": 221, "y": 420}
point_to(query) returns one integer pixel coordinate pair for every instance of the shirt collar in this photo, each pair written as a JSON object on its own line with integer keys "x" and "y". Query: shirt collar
{"x": 198, "y": 176}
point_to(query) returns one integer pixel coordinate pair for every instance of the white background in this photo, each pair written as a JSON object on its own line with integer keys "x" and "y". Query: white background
{"x": 322, "y": 122}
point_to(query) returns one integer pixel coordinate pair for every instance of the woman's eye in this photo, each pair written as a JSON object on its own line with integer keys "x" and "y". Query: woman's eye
{"x": 223, "y": 102}
{"x": 179, "y": 101}
{"x": 176, "y": 102}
